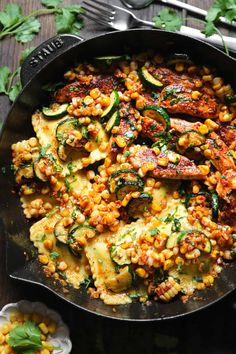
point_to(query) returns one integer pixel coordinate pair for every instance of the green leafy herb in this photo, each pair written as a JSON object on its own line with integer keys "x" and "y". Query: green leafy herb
{"x": 54, "y": 255}
{"x": 127, "y": 153}
{"x": 43, "y": 150}
{"x": 87, "y": 282}
{"x": 24, "y": 27}
{"x": 25, "y": 338}
{"x": 176, "y": 225}
{"x": 233, "y": 251}
{"x": 159, "y": 276}
{"x": 68, "y": 184}
{"x": 168, "y": 19}
{"x": 154, "y": 231}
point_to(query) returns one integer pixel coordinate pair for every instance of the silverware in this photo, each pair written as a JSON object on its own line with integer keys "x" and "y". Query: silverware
{"x": 122, "y": 19}
{"x": 136, "y": 4}
{"x": 194, "y": 9}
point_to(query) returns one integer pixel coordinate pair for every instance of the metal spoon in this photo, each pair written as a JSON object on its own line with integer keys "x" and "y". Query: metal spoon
{"x": 136, "y": 4}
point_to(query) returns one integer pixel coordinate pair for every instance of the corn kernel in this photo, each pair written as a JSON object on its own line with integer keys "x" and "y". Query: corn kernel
{"x": 43, "y": 328}
{"x": 48, "y": 346}
{"x": 2, "y": 338}
{"x": 156, "y": 150}
{"x": 204, "y": 169}
{"x": 208, "y": 153}
{"x": 149, "y": 239}
{"x": 196, "y": 95}
{"x": 226, "y": 117}
{"x": 175, "y": 195}
{"x": 141, "y": 272}
{"x": 162, "y": 161}
{"x": 150, "y": 182}
{"x": 95, "y": 93}
{"x": 134, "y": 95}
{"x": 45, "y": 351}
{"x": 168, "y": 264}
{"x": 43, "y": 258}
{"x": 203, "y": 129}
{"x": 208, "y": 280}
{"x": 196, "y": 189}
{"x": 179, "y": 67}
{"x": 5, "y": 329}
{"x": 207, "y": 78}
{"x": 156, "y": 207}
{"x": 85, "y": 161}
{"x": 62, "y": 266}
{"x": 120, "y": 141}
{"x": 48, "y": 244}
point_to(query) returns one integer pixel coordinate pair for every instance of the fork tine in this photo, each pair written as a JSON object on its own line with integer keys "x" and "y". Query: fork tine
{"x": 102, "y": 12}
{"x": 96, "y": 19}
{"x": 96, "y": 14}
{"x": 103, "y": 4}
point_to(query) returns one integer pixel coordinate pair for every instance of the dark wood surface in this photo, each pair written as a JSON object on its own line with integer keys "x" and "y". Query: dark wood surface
{"x": 209, "y": 331}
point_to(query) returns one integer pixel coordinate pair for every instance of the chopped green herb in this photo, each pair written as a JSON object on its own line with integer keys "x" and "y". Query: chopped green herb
{"x": 233, "y": 251}
{"x": 127, "y": 153}
{"x": 87, "y": 282}
{"x": 176, "y": 225}
{"x": 43, "y": 150}
{"x": 54, "y": 255}
{"x": 153, "y": 127}
{"x": 154, "y": 231}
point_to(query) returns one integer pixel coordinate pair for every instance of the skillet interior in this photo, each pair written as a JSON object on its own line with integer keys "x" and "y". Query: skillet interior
{"x": 18, "y": 127}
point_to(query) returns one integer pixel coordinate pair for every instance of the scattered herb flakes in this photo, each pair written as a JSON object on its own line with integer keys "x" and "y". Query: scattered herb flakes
{"x": 54, "y": 255}
{"x": 127, "y": 153}
{"x": 168, "y": 19}
{"x": 176, "y": 225}
{"x": 154, "y": 231}
{"x": 87, "y": 282}
{"x": 43, "y": 150}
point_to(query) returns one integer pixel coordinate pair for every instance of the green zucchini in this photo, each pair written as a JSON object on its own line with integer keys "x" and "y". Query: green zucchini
{"x": 119, "y": 255}
{"x": 55, "y": 111}
{"x": 188, "y": 236}
{"x": 25, "y": 171}
{"x": 117, "y": 178}
{"x": 108, "y": 60}
{"x": 230, "y": 99}
{"x": 157, "y": 113}
{"x": 148, "y": 79}
{"x": 113, "y": 122}
{"x": 178, "y": 58}
{"x": 65, "y": 127}
{"x": 189, "y": 140}
{"x": 114, "y": 102}
{"x": 125, "y": 187}
{"x": 61, "y": 232}
{"x": 78, "y": 236}
{"x": 137, "y": 206}
{"x": 63, "y": 151}
{"x": 37, "y": 171}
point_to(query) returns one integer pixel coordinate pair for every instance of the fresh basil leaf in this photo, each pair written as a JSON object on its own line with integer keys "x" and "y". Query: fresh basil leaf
{"x": 50, "y": 4}
{"x": 4, "y": 76}
{"x": 27, "y": 30}
{"x": 14, "y": 91}
{"x": 10, "y": 15}
{"x": 168, "y": 19}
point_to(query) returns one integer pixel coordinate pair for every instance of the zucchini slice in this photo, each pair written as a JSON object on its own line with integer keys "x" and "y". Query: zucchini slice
{"x": 55, "y": 111}
{"x": 38, "y": 171}
{"x": 113, "y": 121}
{"x": 65, "y": 127}
{"x": 157, "y": 113}
{"x": 25, "y": 171}
{"x": 148, "y": 79}
{"x": 189, "y": 140}
{"x": 77, "y": 238}
{"x": 230, "y": 99}
{"x": 60, "y": 232}
{"x": 108, "y": 60}
{"x": 137, "y": 206}
{"x": 125, "y": 187}
{"x": 125, "y": 175}
{"x": 119, "y": 255}
{"x": 114, "y": 102}
{"x": 63, "y": 151}
{"x": 190, "y": 237}
{"x": 179, "y": 58}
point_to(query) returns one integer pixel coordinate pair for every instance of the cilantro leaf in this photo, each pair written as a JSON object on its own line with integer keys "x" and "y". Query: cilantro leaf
{"x": 168, "y": 19}
{"x": 50, "y": 4}
{"x": 27, "y": 30}
{"x": 213, "y": 14}
{"x": 14, "y": 91}
{"x": 25, "y": 53}
{"x": 54, "y": 255}
{"x": 67, "y": 22}
{"x": 209, "y": 29}
{"x": 10, "y": 15}
{"x": 25, "y": 338}
{"x": 4, "y": 76}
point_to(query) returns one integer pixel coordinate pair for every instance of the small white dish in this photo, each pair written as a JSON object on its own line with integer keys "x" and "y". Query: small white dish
{"x": 60, "y": 339}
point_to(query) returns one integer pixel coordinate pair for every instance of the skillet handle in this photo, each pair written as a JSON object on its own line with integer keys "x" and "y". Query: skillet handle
{"x": 45, "y": 53}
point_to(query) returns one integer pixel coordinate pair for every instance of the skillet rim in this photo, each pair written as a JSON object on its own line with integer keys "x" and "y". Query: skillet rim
{"x": 199, "y": 42}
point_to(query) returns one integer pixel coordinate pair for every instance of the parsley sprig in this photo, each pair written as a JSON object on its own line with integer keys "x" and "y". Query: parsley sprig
{"x": 24, "y": 27}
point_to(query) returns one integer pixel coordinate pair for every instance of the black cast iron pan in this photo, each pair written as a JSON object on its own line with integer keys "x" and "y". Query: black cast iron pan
{"x": 48, "y": 63}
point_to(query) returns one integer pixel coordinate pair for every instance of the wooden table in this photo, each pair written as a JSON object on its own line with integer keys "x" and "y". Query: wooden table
{"x": 209, "y": 331}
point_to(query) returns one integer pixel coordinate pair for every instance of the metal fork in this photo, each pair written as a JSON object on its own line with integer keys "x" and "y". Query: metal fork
{"x": 122, "y": 19}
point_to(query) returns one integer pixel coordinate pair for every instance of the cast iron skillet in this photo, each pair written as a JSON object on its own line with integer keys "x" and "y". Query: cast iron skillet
{"x": 48, "y": 63}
